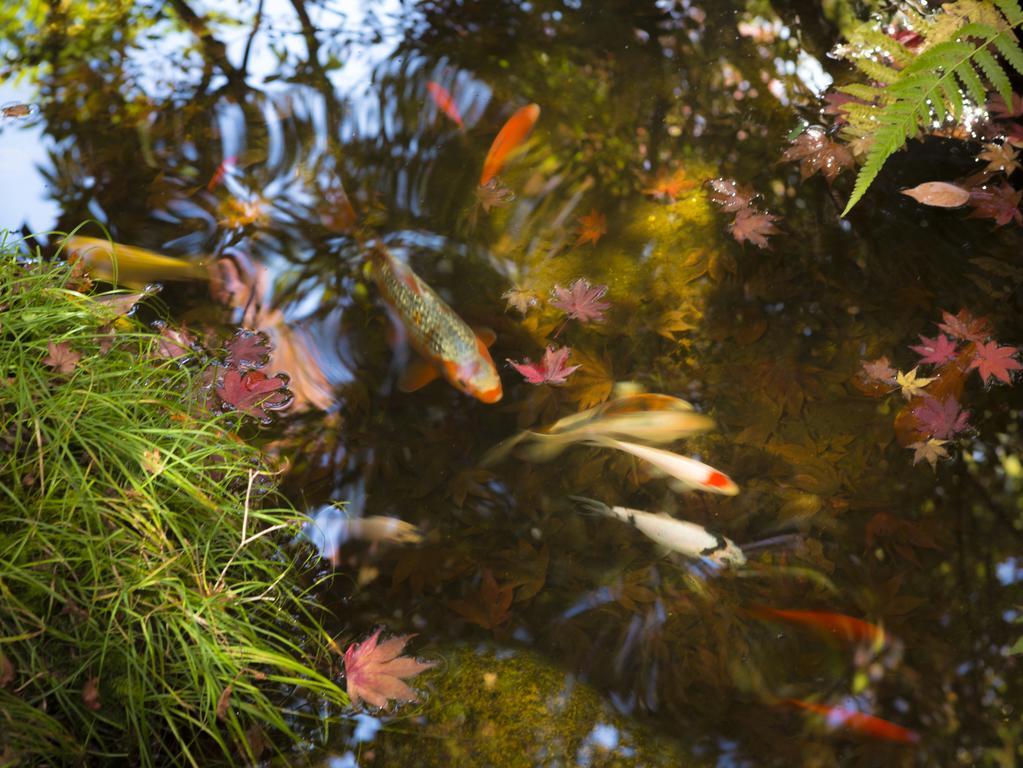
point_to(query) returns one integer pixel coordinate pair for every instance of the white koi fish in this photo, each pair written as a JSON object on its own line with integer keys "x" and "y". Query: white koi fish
{"x": 689, "y": 472}
{"x": 686, "y": 538}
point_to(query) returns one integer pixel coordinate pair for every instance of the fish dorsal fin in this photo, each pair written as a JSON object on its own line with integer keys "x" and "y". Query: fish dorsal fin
{"x": 485, "y": 334}
{"x": 417, "y": 374}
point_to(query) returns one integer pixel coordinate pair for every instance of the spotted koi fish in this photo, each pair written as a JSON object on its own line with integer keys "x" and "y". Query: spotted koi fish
{"x": 447, "y": 345}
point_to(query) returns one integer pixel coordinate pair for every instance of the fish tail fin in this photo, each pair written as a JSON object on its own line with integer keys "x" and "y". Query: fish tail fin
{"x": 592, "y": 506}
{"x": 547, "y": 447}
{"x": 500, "y": 451}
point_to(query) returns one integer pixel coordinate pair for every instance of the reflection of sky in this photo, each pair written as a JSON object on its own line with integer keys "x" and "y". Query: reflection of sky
{"x": 23, "y": 195}
{"x": 1009, "y": 571}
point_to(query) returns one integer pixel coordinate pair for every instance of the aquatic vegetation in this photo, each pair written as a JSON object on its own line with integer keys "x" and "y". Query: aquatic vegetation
{"x": 375, "y": 672}
{"x": 148, "y": 607}
{"x": 920, "y": 86}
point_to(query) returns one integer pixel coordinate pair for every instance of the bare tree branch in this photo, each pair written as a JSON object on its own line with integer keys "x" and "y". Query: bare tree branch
{"x": 214, "y": 50}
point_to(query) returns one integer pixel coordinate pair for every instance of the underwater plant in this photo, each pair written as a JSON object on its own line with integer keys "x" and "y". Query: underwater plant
{"x": 147, "y": 607}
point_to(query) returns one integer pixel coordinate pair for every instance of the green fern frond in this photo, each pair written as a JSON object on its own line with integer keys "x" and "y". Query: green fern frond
{"x": 957, "y": 61}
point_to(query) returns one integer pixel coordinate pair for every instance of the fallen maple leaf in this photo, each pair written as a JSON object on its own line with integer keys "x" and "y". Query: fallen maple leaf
{"x": 1000, "y": 158}
{"x": 489, "y": 606}
{"x": 592, "y": 227}
{"x": 493, "y": 194}
{"x": 61, "y": 357}
{"x": 998, "y": 108}
{"x": 941, "y": 418}
{"x": 936, "y": 351}
{"x": 248, "y": 349}
{"x": 911, "y": 384}
{"x": 939, "y": 194}
{"x": 999, "y": 203}
{"x": 375, "y": 672}
{"x": 729, "y": 195}
{"x": 553, "y": 369}
{"x": 817, "y": 153}
{"x": 521, "y": 299}
{"x": 879, "y": 370}
{"x": 993, "y": 361}
{"x": 670, "y": 185}
{"x": 752, "y": 226}
{"x": 581, "y": 301}
{"x": 173, "y": 343}
{"x": 929, "y": 451}
{"x": 965, "y": 326}
{"x": 253, "y": 394}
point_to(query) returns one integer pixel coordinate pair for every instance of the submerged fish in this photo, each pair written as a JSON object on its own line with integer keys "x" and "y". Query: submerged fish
{"x": 679, "y": 536}
{"x": 448, "y": 347}
{"x": 857, "y": 722}
{"x": 646, "y": 417}
{"x": 511, "y": 135}
{"x": 837, "y": 625}
{"x": 128, "y": 265}
{"x": 445, "y": 102}
{"x": 690, "y": 473}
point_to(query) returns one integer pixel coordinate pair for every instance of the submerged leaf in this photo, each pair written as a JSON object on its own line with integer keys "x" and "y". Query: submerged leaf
{"x": 592, "y": 227}
{"x": 581, "y": 301}
{"x": 489, "y": 607}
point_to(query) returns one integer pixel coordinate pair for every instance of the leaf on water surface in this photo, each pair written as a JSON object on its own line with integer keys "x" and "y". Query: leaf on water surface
{"x": 936, "y": 351}
{"x": 941, "y": 418}
{"x": 253, "y": 393}
{"x": 581, "y": 301}
{"x": 1000, "y": 158}
{"x": 817, "y": 153}
{"x": 122, "y": 304}
{"x": 911, "y": 384}
{"x": 591, "y": 228}
{"x": 999, "y": 109}
{"x": 929, "y": 450}
{"x": 594, "y": 382}
{"x": 248, "y": 349}
{"x": 1000, "y": 203}
{"x": 61, "y": 357}
{"x": 752, "y": 226}
{"x": 173, "y": 342}
{"x": 965, "y": 326}
{"x": 993, "y": 361}
{"x": 375, "y": 672}
{"x": 939, "y": 194}
{"x": 552, "y": 369}
{"x": 729, "y": 195}
{"x": 520, "y": 299}
{"x": 489, "y": 606}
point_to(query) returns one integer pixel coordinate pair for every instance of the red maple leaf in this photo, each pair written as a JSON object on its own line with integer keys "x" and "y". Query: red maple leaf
{"x": 553, "y": 369}
{"x": 991, "y": 360}
{"x": 753, "y": 226}
{"x": 172, "y": 342}
{"x": 999, "y": 203}
{"x": 248, "y": 349}
{"x": 253, "y": 393}
{"x": 670, "y": 185}
{"x": 61, "y": 357}
{"x": 941, "y": 418}
{"x": 730, "y": 195}
{"x": 376, "y": 672}
{"x": 816, "y": 152}
{"x": 907, "y": 38}
{"x": 592, "y": 227}
{"x": 581, "y": 301}
{"x": 965, "y": 326}
{"x": 936, "y": 351}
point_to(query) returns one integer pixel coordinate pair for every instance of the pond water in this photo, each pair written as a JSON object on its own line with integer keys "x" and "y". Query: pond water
{"x": 568, "y": 639}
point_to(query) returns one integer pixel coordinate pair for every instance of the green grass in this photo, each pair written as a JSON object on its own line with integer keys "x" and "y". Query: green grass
{"x": 158, "y": 576}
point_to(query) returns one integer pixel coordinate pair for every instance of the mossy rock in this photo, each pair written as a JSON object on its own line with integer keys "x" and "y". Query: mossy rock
{"x": 500, "y": 708}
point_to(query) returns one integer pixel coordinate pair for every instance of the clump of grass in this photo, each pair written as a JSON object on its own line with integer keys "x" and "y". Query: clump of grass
{"x": 147, "y": 611}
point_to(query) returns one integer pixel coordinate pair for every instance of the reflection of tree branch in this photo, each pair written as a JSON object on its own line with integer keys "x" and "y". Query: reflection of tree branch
{"x": 252, "y": 36}
{"x": 213, "y": 48}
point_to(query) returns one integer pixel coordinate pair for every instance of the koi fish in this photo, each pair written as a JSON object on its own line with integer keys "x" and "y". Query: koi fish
{"x": 841, "y": 718}
{"x": 131, "y": 266}
{"x": 226, "y": 166}
{"x": 686, "y": 538}
{"x": 445, "y": 102}
{"x": 690, "y": 473}
{"x": 651, "y": 418}
{"x": 448, "y": 347}
{"x": 836, "y": 625}
{"x": 511, "y": 135}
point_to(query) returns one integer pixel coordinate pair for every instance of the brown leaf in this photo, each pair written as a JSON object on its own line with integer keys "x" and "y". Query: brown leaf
{"x": 224, "y": 701}
{"x": 753, "y": 226}
{"x": 939, "y": 194}
{"x": 817, "y": 153}
{"x": 90, "y": 694}
{"x": 6, "y": 671}
{"x": 593, "y": 382}
{"x": 61, "y": 357}
{"x": 489, "y": 606}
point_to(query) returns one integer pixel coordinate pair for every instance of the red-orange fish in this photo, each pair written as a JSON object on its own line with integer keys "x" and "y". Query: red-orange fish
{"x": 836, "y": 625}
{"x": 225, "y": 167}
{"x": 445, "y": 102}
{"x": 508, "y": 138}
{"x": 840, "y": 718}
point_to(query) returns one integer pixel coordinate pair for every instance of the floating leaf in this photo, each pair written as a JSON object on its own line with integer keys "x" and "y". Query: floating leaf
{"x": 1000, "y": 158}
{"x": 552, "y": 369}
{"x": 911, "y": 384}
{"x": 581, "y": 301}
{"x": 965, "y": 326}
{"x": 936, "y": 351}
{"x": 817, "y": 153}
{"x": 376, "y": 672}
{"x": 999, "y": 203}
{"x": 939, "y": 194}
{"x": 729, "y": 195}
{"x": 993, "y": 361}
{"x": 253, "y": 393}
{"x": 753, "y": 226}
{"x": 941, "y": 418}
{"x": 670, "y": 185}
{"x": 248, "y": 349}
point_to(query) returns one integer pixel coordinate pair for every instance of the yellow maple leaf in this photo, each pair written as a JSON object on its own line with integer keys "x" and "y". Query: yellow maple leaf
{"x": 911, "y": 384}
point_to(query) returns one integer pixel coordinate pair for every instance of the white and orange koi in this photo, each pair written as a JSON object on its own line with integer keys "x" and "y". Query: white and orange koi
{"x": 690, "y": 473}
{"x": 679, "y": 536}
{"x": 447, "y": 345}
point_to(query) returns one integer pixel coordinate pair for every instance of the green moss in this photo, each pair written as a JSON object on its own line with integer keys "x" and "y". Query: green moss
{"x": 145, "y": 608}
{"x": 508, "y": 709}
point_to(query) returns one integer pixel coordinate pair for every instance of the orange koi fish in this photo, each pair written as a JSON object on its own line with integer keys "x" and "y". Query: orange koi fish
{"x": 836, "y": 625}
{"x": 445, "y": 102}
{"x": 508, "y": 138}
{"x": 840, "y": 718}
{"x": 225, "y": 167}
{"x": 448, "y": 346}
